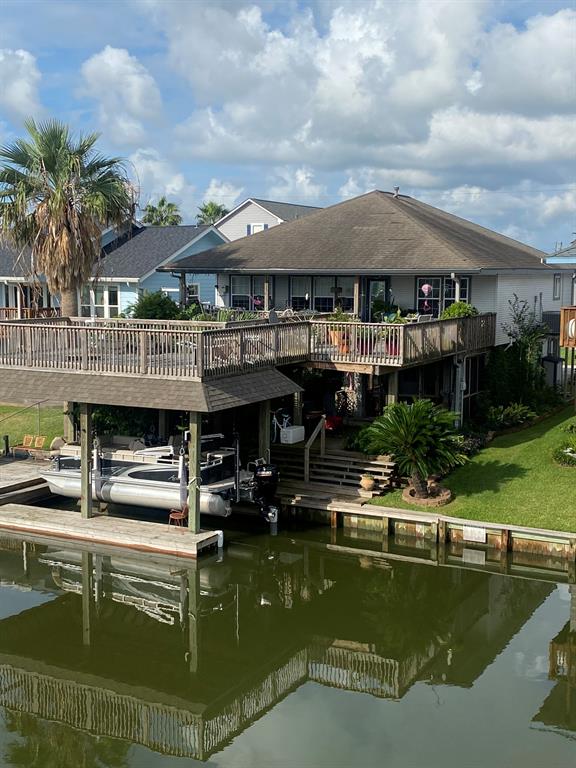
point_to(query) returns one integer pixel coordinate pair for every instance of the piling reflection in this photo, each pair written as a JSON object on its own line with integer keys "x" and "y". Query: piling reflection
{"x": 181, "y": 660}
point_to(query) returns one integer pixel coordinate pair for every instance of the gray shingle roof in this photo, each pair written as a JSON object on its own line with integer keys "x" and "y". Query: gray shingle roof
{"x": 373, "y": 233}
{"x": 146, "y": 249}
{"x": 146, "y": 391}
{"x": 286, "y": 211}
{"x": 135, "y": 257}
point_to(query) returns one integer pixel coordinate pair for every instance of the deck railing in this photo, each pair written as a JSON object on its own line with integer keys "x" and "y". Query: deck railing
{"x": 189, "y": 351}
{"x": 392, "y": 344}
{"x": 26, "y": 313}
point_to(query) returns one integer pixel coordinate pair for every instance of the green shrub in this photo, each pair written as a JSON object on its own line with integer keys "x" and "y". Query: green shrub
{"x": 459, "y": 309}
{"x": 502, "y": 417}
{"x": 565, "y": 454}
{"x": 154, "y": 306}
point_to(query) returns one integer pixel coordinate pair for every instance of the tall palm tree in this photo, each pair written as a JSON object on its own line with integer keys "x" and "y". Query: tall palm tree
{"x": 210, "y": 212}
{"x": 57, "y": 192}
{"x": 163, "y": 214}
{"x": 421, "y": 438}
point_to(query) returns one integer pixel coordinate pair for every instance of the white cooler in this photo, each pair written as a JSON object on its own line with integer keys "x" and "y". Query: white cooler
{"x": 290, "y": 435}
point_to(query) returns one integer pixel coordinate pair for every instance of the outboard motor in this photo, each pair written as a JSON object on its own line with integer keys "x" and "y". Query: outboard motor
{"x": 266, "y": 478}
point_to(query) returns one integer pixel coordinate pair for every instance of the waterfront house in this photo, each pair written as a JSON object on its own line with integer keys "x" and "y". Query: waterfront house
{"x": 371, "y": 254}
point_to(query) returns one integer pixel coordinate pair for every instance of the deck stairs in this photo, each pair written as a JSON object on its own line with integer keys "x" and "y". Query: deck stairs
{"x": 337, "y": 472}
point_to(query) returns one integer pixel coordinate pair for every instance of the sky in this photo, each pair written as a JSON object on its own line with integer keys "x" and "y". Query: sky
{"x": 468, "y": 105}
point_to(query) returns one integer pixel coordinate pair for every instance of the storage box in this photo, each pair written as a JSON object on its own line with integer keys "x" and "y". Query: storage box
{"x": 291, "y": 435}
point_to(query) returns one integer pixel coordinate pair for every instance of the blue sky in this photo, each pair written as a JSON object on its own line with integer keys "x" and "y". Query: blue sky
{"x": 468, "y": 105}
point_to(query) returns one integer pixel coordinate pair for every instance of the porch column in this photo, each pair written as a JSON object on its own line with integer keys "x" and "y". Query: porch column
{"x": 357, "y": 308}
{"x": 392, "y": 396}
{"x": 182, "y": 289}
{"x": 163, "y": 424}
{"x": 456, "y": 288}
{"x": 86, "y": 460}
{"x": 19, "y": 302}
{"x": 68, "y": 426}
{"x": 297, "y": 409}
{"x": 267, "y": 293}
{"x": 194, "y": 450}
{"x": 264, "y": 430}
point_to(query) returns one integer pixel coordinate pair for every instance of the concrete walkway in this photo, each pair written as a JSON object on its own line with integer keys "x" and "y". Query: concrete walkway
{"x": 111, "y": 531}
{"x": 19, "y": 470}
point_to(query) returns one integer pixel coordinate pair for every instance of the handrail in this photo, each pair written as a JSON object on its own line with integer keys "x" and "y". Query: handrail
{"x": 319, "y": 429}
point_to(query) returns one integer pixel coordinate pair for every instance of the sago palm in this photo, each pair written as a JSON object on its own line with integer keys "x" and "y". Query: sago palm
{"x": 210, "y": 212}
{"x": 163, "y": 214}
{"x": 57, "y": 192}
{"x": 421, "y": 438}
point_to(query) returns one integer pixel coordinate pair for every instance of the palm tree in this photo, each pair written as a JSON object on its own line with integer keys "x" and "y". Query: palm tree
{"x": 210, "y": 212}
{"x": 57, "y": 192}
{"x": 164, "y": 214}
{"x": 420, "y": 437}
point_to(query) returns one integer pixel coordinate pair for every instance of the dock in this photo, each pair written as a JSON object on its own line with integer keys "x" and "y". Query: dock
{"x": 40, "y": 524}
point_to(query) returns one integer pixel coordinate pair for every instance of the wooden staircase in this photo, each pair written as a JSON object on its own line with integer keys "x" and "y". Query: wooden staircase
{"x": 339, "y": 469}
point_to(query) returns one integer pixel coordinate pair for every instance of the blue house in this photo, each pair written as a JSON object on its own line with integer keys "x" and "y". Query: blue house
{"x": 129, "y": 264}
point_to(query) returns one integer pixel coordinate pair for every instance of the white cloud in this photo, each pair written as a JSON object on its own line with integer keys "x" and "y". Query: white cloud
{"x": 223, "y": 192}
{"x": 126, "y": 93}
{"x": 157, "y": 177}
{"x": 295, "y": 185}
{"x": 19, "y": 80}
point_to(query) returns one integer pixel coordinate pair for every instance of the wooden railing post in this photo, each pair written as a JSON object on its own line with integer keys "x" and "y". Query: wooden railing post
{"x": 143, "y": 351}
{"x": 199, "y": 346}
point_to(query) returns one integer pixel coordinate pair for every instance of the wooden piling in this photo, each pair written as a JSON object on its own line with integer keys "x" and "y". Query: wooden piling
{"x": 194, "y": 451}
{"x": 86, "y": 460}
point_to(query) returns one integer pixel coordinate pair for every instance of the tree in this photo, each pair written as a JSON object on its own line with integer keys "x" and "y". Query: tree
{"x": 57, "y": 192}
{"x": 164, "y": 214}
{"x": 210, "y": 212}
{"x": 421, "y": 438}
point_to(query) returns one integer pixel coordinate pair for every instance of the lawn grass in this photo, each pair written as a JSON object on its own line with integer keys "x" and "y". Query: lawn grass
{"x": 16, "y": 422}
{"x": 514, "y": 480}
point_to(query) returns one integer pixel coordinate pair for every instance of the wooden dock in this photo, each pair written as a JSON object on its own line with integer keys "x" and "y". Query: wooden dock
{"x": 38, "y": 523}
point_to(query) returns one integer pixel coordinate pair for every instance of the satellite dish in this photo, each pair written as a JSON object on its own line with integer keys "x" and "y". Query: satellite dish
{"x": 572, "y": 328}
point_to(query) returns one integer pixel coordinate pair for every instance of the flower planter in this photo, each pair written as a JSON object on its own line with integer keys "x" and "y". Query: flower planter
{"x": 367, "y": 483}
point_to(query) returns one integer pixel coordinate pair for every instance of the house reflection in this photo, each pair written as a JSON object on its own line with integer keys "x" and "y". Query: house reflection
{"x": 182, "y": 660}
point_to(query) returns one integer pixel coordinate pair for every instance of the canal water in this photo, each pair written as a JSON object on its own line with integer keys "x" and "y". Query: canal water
{"x": 286, "y": 650}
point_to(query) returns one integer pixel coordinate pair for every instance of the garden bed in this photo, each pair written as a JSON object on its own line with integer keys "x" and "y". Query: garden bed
{"x": 515, "y": 480}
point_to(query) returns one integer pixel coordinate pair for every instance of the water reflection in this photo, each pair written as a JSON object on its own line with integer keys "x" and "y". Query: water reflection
{"x": 181, "y": 660}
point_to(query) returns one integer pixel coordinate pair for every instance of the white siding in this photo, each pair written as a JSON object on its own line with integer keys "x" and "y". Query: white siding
{"x": 235, "y": 226}
{"x": 222, "y": 298}
{"x": 483, "y": 292}
{"x": 536, "y": 289}
{"x": 280, "y": 292}
{"x": 402, "y": 291}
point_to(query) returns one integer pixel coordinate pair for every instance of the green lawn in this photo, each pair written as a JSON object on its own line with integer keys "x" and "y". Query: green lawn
{"x": 16, "y": 422}
{"x": 514, "y": 480}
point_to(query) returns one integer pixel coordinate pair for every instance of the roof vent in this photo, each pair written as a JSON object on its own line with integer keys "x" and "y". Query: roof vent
{"x": 396, "y": 191}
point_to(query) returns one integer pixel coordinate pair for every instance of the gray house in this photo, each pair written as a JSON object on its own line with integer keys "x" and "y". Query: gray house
{"x": 376, "y": 252}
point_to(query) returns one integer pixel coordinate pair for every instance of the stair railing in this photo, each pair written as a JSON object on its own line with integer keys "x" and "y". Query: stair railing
{"x": 320, "y": 429}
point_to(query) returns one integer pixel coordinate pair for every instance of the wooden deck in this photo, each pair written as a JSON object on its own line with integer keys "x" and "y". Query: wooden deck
{"x": 190, "y": 351}
{"x": 135, "y": 535}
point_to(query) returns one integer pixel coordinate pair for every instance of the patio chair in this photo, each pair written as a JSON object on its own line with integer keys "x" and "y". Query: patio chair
{"x": 37, "y": 451}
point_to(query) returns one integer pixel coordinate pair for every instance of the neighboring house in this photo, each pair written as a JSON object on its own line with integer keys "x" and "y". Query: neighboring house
{"x": 379, "y": 250}
{"x": 128, "y": 268}
{"x": 21, "y": 296}
{"x": 255, "y": 215}
{"x": 565, "y": 259}
{"x": 129, "y": 265}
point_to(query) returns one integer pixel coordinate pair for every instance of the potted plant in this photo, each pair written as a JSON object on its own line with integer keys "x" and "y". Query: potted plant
{"x": 367, "y": 481}
{"x": 340, "y": 337}
{"x": 390, "y": 336}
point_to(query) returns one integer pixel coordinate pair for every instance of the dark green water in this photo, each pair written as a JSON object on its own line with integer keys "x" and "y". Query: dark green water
{"x": 283, "y": 652}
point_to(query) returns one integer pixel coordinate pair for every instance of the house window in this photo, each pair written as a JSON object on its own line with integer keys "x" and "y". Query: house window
{"x": 557, "y": 289}
{"x": 100, "y": 301}
{"x": 429, "y": 295}
{"x": 300, "y": 292}
{"x": 450, "y": 290}
{"x": 345, "y": 293}
{"x": 240, "y": 291}
{"x": 324, "y": 290}
{"x": 258, "y": 292}
{"x": 434, "y": 294}
{"x": 252, "y": 229}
